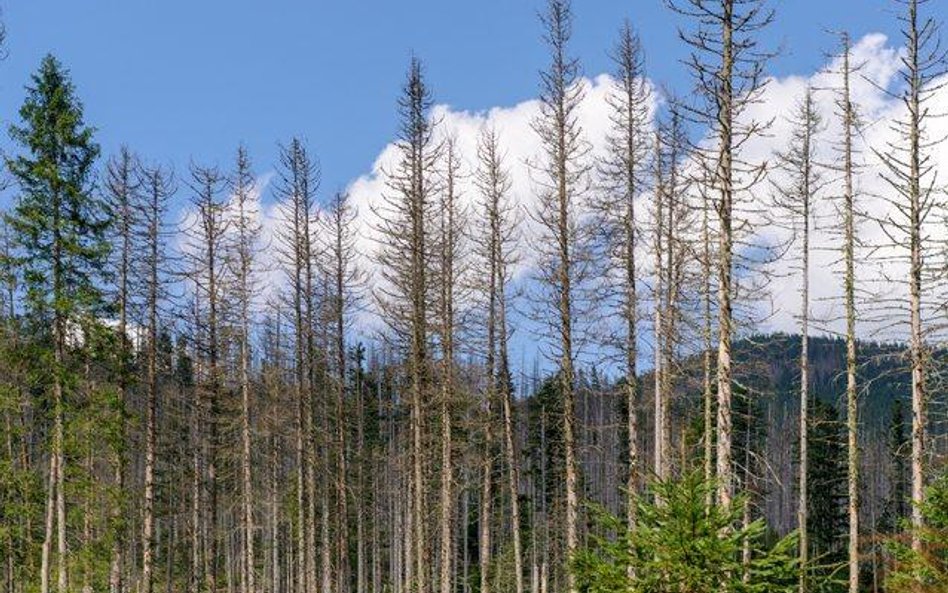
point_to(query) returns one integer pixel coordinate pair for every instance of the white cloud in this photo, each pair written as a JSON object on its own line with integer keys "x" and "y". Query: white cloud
{"x": 879, "y": 63}
{"x": 880, "y": 266}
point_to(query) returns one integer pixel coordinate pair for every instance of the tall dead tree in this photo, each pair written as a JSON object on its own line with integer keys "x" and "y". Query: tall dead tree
{"x": 205, "y": 260}
{"x": 623, "y": 171}
{"x": 245, "y": 231}
{"x": 910, "y": 170}
{"x": 706, "y": 263}
{"x": 121, "y": 187}
{"x": 450, "y": 232}
{"x": 660, "y": 397}
{"x": 496, "y": 248}
{"x": 405, "y": 257}
{"x": 562, "y": 178}
{"x": 485, "y": 503}
{"x": 852, "y": 405}
{"x": 846, "y": 148}
{"x": 671, "y": 218}
{"x": 795, "y": 199}
{"x": 298, "y": 180}
{"x": 345, "y": 279}
{"x": 157, "y": 188}
{"x": 727, "y": 65}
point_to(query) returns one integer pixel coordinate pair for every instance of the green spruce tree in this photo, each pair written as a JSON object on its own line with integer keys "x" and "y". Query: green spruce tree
{"x": 58, "y": 227}
{"x": 897, "y": 504}
{"x": 925, "y": 571}
{"x": 827, "y": 520}
{"x": 681, "y": 544}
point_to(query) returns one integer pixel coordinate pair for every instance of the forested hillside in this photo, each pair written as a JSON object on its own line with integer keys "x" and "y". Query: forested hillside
{"x": 213, "y": 383}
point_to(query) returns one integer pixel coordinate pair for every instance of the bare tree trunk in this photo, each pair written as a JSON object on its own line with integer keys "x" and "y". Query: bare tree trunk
{"x": 362, "y": 510}
{"x": 207, "y": 270}
{"x": 852, "y": 410}
{"x": 450, "y": 229}
{"x": 274, "y": 512}
{"x": 405, "y": 216}
{"x": 154, "y": 189}
{"x": 729, "y": 76}
{"x": 494, "y": 184}
{"x": 658, "y": 331}
{"x": 916, "y": 215}
{"x": 487, "y": 460}
{"x": 342, "y": 275}
{"x": 724, "y": 181}
{"x": 707, "y": 334}
{"x": 505, "y": 380}
{"x": 446, "y": 466}
{"x": 804, "y": 393}
{"x": 623, "y": 168}
{"x": 297, "y": 184}
{"x": 513, "y": 478}
{"x": 794, "y": 203}
{"x": 247, "y": 232}
{"x": 564, "y": 173}
{"x": 196, "y": 518}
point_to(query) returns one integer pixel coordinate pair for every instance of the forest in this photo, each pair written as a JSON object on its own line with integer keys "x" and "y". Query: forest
{"x": 195, "y": 400}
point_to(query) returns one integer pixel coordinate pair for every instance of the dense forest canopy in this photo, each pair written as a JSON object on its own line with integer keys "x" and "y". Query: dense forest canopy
{"x": 287, "y": 389}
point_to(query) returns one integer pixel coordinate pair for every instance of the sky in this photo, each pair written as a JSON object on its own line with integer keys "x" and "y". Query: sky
{"x": 181, "y": 82}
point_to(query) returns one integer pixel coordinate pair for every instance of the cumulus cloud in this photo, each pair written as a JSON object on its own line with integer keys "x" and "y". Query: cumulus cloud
{"x": 881, "y": 265}
{"x": 879, "y": 64}
{"x": 518, "y": 140}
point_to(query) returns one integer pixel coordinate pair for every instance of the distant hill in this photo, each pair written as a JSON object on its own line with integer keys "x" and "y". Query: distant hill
{"x": 771, "y": 364}
{"x": 766, "y": 369}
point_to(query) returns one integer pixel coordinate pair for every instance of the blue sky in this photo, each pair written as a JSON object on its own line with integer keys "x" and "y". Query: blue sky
{"x": 188, "y": 80}
{"x": 177, "y": 80}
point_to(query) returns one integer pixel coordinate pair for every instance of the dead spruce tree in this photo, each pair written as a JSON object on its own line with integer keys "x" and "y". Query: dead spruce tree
{"x": 345, "y": 278}
{"x": 671, "y": 219}
{"x": 727, "y": 64}
{"x": 795, "y": 198}
{"x": 449, "y": 260}
{"x": 661, "y": 420}
{"x": 485, "y": 506}
{"x": 245, "y": 239}
{"x": 205, "y": 265}
{"x": 405, "y": 258}
{"x": 157, "y": 187}
{"x": 623, "y": 178}
{"x": 706, "y": 259}
{"x": 298, "y": 180}
{"x": 561, "y": 177}
{"x": 847, "y": 207}
{"x": 910, "y": 169}
{"x": 122, "y": 197}
{"x": 852, "y": 406}
{"x": 496, "y": 249}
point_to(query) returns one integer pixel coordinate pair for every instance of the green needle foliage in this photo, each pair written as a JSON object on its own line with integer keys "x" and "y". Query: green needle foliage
{"x": 681, "y": 546}
{"x": 58, "y": 222}
{"x": 59, "y": 245}
{"x": 924, "y": 571}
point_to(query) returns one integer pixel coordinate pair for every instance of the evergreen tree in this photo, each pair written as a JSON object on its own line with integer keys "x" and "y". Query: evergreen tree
{"x": 896, "y": 507}
{"x": 681, "y": 544}
{"x": 59, "y": 232}
{"x": 827, "y": 521}
{"x": 58, "y": 223}
{"x": 926, "y": 571}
